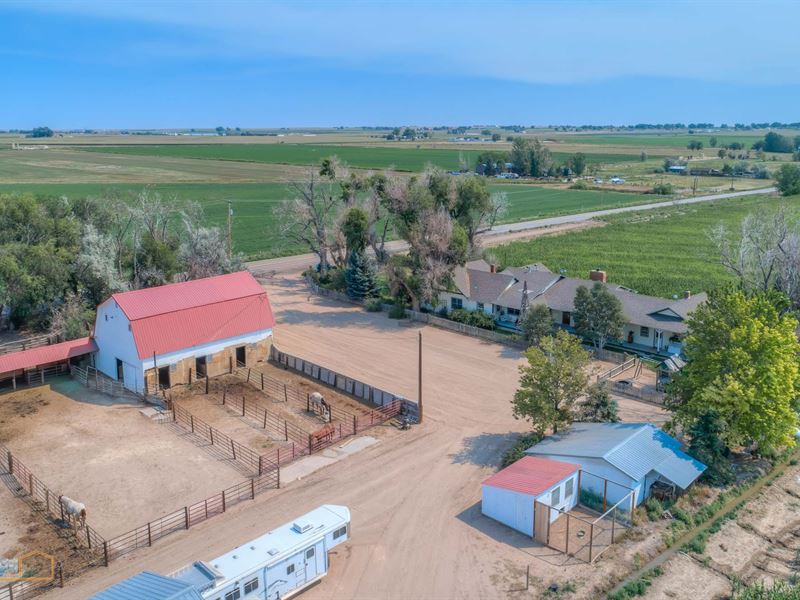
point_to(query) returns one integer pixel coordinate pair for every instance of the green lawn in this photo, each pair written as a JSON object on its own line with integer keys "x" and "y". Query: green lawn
{"x": 255, "y": 231}
{"x": 660, "y": 252}
{"x": 401, "y": 158}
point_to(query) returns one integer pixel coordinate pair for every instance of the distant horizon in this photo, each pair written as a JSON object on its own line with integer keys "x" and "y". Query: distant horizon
{"x": 88, "y": 64}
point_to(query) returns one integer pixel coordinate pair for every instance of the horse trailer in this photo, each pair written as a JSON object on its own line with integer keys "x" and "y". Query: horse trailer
{"x": 274, "y": 566}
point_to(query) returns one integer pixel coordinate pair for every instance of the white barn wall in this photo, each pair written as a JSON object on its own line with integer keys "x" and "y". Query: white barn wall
{"x": 115, "y": 341}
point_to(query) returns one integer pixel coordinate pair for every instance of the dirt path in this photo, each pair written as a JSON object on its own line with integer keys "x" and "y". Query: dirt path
{"x": 414, "y": 496}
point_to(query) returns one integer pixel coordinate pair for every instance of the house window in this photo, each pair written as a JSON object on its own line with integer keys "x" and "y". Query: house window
{"x": 480, "y": 306}
{"x": 290, "y": 569}
{"x": 644, "y": 331}
{"x": 340, "y": 532}
{"x": 456, "y": 303}
{"x": 310, "y": 553}
{"x": 251, "y": 586}
{"x": 233, "y": 595}
{"x": 568, "y": 488}
{"x": 513, "y": 312}
{"x": 555, "y": 497}
{"x": 565, "y": 317}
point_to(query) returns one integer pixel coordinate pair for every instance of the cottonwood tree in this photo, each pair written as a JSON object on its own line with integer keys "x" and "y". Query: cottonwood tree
{"x": 764, "y": 254}
{"x": 309, "y": 215}
{"x": 203, "y": 252}
{"x": 476, "y": 209}
{"x": 741, "y": 362}
{"x": 72, "y": 318}
{"x": 598, "y": 315}
{"x": 95, "y": 265}
{"x": 551, "y": 382}
{"x": 706, "y": 445}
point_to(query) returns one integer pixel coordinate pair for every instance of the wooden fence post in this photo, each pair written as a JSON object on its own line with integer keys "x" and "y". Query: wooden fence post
{"x": 285, "y": 394}
{"x": 262, "y": 382}
{"x": 191, "y": 420}
{"x": 88, "y": 538}
{"x": 211, "y": 432}
{"x": 286, "y": 430}
{"x": 355, "y": 424}
{"x": 223, "y": 500}
{"x": 149, "y": 535}
{"x": 265, "y": 419}
{"x": 30, "y": 482}
{"x": 186, "y": 515}
{"x": 10, "y": 462}
{"x": 566, "y": 549}
{"x": 310, "y": 443}
{"x": 260, "y": 465}
{"x": 279, "y": 474}
{"x": 61, "y": 505}
{"x": 233, "y": 449}
{"x": 243, "y": 401}
{"x": 105, "y": 552}
{"x": 206, "y": 383}
{"x": 308, "y": 402}
{"x": 591, "y": 540}
{"x": 190, "y": 375}
{"x": 252, "y": 489}
{"x": 224, "y": 395}
{"x": 230, "y": 364}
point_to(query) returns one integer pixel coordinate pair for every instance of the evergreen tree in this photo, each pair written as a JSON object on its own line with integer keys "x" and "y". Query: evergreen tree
{"x": 360, "y": 276}
{"x": 707, "y": 447}
{"x": 599, "y": 406}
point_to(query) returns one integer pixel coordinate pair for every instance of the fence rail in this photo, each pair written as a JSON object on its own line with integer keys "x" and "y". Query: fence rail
{"x": 638, "y": 393}
{"x": 614, "y": 371}
{"x": 34, "y": 377}
{"x": 31, "y": 342}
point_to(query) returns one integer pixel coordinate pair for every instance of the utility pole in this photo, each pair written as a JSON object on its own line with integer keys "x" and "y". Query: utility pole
{"x": 230, "y": 242}
{"x": 419, "y": 370}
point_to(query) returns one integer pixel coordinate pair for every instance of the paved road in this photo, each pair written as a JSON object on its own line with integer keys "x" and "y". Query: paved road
{"x": 298, "y": 262}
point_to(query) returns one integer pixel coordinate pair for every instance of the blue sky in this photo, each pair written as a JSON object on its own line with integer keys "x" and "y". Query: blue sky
{"x": 118, "y": 64}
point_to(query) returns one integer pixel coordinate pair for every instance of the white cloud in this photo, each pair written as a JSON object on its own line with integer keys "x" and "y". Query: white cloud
{"x": 541, "y": 42}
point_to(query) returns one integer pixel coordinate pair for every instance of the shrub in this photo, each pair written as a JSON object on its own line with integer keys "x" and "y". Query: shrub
{"x": 517, "y": 451}
{"x": 373, "y": 305}
{"x": 637, "y": 587}
{"x": 683, "y": 516}
{"x": 663, "y": 189}
{"x": 579, "y": 185}
{"x": 591, "y": 499}
{"x": 473, "y": 318}
{"x": 654, "y": 509}
{"x": 398, "y": 311}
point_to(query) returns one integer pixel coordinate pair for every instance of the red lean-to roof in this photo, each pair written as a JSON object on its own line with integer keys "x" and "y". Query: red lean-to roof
{"x": 182, "y": 315}
{"x": 45, "y": 355}
{"x": 532, "y": 475}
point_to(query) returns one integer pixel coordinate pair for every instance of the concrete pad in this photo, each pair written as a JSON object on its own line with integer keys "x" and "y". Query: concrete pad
{"x": 305, "y": 466}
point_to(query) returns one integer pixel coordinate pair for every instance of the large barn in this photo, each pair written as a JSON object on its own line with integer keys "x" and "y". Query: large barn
{"x": 175, "y": 333}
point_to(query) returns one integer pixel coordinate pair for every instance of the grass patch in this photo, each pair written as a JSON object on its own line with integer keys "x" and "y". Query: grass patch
{"x": 660, "y": 252}
{"x": 637, "y": 587}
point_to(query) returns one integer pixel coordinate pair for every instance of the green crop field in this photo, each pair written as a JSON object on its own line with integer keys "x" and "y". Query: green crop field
{"x": 643, "y": 140}
{"x": 377, "y": 157}
{"x": 659, "y": 252}
{"x": 255, "y": 227}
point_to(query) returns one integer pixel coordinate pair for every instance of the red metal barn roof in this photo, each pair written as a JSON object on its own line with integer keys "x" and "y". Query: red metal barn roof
{"x": 532, "y": 475}
{"x": 182, "y": 315}
{"x": 45, "y": 355}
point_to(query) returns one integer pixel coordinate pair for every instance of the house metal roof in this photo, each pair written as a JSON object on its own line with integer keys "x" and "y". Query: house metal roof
{"x": 182, "y": 315}
{"x": 151, "y": 586}
{"x": 45, "y": 355}
{"x": 636, "y": 449}
{"x": 532, "y": 475}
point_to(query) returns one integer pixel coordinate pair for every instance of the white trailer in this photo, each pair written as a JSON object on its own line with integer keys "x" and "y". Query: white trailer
{"x": 276, "y": 565}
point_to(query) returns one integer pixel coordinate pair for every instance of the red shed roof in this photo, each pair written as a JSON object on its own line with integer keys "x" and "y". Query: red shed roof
{"x": 182, "y": 315}
{"x": 532, "y": 475}
{"x": 45, "y": 355}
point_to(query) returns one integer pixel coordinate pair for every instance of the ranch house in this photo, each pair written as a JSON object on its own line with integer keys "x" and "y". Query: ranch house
{"x": 654, "y": 326}
{"x": 622, "y": 457}
{"x": 172, "y": 334}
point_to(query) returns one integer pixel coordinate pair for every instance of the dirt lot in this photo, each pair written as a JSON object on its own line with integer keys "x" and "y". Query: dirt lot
{"x": 415, "y": 495}
{"x": 123, "y": 466}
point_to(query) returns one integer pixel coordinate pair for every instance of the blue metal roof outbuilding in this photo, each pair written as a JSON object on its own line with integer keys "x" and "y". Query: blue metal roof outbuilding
{"x": 151, "y": 586}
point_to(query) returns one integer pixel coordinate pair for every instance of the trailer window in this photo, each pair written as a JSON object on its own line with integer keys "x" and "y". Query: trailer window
{"x": 233, "y": 595}
{"x": 310, "y": 553}
{"x": 251, "y": 586}
{"x": 290, "y": 569}
{"x": 340, "y": 532}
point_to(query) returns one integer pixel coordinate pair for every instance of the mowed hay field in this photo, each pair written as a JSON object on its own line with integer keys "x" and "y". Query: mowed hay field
{"x": 659, "y": 252}
{"x": 256, "y": 226}
{"x": 402, "y": 158}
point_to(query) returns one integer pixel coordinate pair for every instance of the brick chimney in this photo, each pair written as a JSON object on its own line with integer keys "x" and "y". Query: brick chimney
{"x": 598, "y": 275}
{"x": 492, "y": 268}
{"x": 687, "y": 294}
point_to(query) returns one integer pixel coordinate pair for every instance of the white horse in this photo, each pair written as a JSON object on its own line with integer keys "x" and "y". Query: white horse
{"x": 73, "y": 510}
{"x": 318, "y": 403}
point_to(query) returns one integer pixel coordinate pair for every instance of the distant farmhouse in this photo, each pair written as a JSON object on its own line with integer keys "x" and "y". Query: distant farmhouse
{"x": 654, "y": 326}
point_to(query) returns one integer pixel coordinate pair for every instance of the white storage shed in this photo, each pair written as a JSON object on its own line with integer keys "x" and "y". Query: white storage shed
{"x": 509, "y": 495}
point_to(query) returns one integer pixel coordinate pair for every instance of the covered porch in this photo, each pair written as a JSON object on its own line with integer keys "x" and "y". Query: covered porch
{"x": 34, "y": 366}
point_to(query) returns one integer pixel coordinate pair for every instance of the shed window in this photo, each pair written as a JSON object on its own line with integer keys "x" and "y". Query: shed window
{"x": 456, "y": 303}
{"x": 480, "y": 306}
{"x": 251, "y": 586}
{"x": 644, "y": 331}
{"x": 233, "y": 595}
{"x": 555, "y": 497}
{"x": 310, "y": 553}
{"x": 290, "y": 569}
{"x": 568, "y": 488}
{"x": 340, "y": 532}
